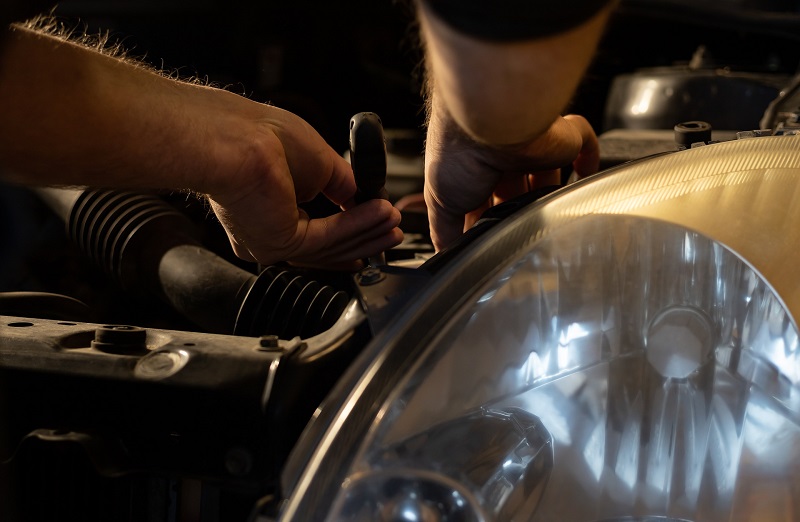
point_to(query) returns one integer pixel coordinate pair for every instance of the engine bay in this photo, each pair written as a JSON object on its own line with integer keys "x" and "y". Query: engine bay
{"x": 146, "y": 373}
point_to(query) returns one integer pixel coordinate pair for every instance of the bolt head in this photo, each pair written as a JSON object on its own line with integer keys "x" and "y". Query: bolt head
{"x": 269, "y": 342}
{"x": 370, "y": 276}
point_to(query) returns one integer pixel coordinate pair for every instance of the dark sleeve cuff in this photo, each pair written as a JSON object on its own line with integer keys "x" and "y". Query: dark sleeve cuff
{"x": 514, "y": 20}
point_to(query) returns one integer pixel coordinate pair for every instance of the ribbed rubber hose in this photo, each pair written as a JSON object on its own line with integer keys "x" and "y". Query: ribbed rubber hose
{"x": 143, "y": 243}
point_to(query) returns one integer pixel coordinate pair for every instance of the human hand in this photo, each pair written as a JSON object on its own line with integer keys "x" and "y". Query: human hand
{"x": 256, "y": 199}
{"x": 75, "y": 116}
{"x": 463, "y": 178}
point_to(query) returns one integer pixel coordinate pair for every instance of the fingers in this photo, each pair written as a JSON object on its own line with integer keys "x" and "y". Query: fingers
{"x": 446, "y": 223}
{"x": 545, "y": 178}
{"x": 287, "y": 162}
{"x": 461, "y": 181}
{"x": 363, "y": 231}
{"x": 510, "y": 185}
{"x": 473, "y": 217}
{"x": 339, "y": 240}
{"x": 587, "y": 161}
{"x": 341, "y": 186}
{"x": 312, "y": 164}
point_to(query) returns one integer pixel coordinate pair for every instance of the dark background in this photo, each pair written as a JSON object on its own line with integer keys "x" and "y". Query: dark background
{"x": 323, "y": 60}
{"x": 327, "y": 60}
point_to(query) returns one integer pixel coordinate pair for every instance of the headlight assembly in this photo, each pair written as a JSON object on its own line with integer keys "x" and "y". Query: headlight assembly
{"x": 625, "y": 349}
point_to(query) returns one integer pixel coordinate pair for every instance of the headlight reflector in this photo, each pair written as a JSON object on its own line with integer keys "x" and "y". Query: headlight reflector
{"x": 631, "y": 356}
{"x": 635, "y": 351}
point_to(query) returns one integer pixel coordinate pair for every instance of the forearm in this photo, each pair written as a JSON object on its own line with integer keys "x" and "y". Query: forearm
{"x": 505, "y": 93}
{"x": 72, "y": 115}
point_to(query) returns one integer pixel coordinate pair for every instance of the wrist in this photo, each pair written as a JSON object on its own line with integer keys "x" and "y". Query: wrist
{"x": 445, "y": 131}
{"x": 233, "y": 143}
{"x": 504, "y": 94}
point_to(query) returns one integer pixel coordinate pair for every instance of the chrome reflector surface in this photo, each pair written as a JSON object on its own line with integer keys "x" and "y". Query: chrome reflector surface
{"x": 631, "y": 355}
{"x": 662, "y": 369}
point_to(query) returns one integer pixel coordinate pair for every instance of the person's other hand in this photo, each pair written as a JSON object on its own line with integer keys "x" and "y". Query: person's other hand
{"x": 463, "y": 178}
{"x": 255, "y": 195}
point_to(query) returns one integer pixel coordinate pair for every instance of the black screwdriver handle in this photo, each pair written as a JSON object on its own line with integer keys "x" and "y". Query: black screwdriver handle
{"x": 368, "y": 156}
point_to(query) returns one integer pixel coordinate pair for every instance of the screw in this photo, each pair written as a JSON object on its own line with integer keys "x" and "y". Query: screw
{"x": 370, "y": 276}
{"x": 117, "y": 338}
{"x": 159, "y": 365}
{"x": 269, "y": 343}
{"x": 238, "y": 461}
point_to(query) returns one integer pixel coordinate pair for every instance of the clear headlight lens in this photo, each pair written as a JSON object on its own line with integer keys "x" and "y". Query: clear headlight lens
{"x": 622, "y": 367}
{"x": 634, "y": 357}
